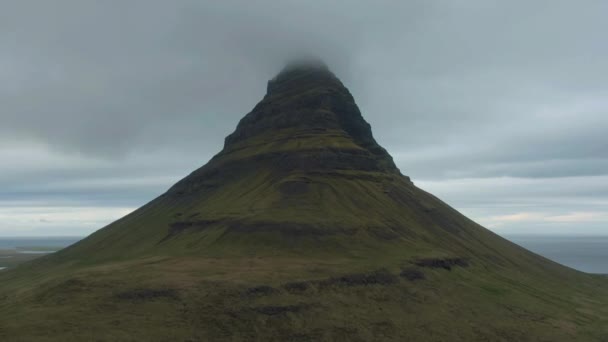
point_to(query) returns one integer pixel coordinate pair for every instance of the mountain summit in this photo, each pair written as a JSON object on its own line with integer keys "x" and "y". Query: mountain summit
{"x": 301, "y": 229}
{"x": 308, "y": 103}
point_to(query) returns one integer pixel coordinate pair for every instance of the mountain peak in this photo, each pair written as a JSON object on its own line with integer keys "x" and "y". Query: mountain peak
{"x": 308, "y": 110}
{"x": 302, "y": 64}
{"x": 301, "y": 73}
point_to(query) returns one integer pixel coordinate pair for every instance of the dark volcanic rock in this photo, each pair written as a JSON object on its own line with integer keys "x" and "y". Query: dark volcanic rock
{"x": 298, "y": 286}
{"x": 445, "y": 263}
{"x": 309, "y": 99}
{"x": 262, "y": 290}
{"x": 379, "y": 277}
{"x": 304, "y": 103}
{"x": 143, "y": 294}
{"x": 272, "y": 310}
{"x": 412, "y": 274}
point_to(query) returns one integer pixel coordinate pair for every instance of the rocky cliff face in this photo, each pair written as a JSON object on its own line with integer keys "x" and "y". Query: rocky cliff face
{"x": 308, "y": 122}
{"x": 310, "y": 99}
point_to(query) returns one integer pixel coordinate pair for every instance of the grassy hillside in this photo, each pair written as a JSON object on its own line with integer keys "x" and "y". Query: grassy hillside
{"x": 365, "y": 296}
{"x": 301, "y": 229}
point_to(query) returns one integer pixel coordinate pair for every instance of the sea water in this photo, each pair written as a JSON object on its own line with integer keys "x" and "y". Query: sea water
{"x": 25, "y": 242}
{"x": 584, "y": 253}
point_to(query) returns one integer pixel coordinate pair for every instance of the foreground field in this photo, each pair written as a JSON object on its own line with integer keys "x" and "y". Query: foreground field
{"x": 301, "y": 299}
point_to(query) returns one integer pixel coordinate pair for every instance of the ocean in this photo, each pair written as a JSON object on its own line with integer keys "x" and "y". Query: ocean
{"x": 584, "y": 253}
{"x": 25, "y": 242}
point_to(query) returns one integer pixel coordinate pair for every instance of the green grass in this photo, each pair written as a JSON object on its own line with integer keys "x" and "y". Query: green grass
{"x": 11, "y": 258}
{"x": 211, "y": 303}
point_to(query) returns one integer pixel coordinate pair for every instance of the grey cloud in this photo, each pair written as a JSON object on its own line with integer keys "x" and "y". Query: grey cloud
{"x": 147, "y": 90}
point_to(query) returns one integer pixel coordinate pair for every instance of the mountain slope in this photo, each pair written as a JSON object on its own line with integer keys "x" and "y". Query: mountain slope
{"x": 301, "y": 228}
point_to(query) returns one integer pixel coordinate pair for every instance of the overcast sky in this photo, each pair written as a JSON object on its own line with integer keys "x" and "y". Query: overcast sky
{"x": 497, "y": 107}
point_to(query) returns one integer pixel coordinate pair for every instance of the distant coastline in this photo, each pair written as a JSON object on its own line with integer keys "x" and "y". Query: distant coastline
{"x": 587, "y": 253}
{"x": 20, "y": 249}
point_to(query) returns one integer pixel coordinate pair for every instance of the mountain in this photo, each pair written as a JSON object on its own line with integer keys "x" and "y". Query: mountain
{"x": 301, "y": 229}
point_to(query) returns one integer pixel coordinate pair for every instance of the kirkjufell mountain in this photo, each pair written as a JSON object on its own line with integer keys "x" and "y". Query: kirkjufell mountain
{"x": 301, "y": 229}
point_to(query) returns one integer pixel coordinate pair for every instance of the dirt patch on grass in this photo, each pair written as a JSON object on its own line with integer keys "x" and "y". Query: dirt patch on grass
{"x": 412, "y": 274}
{"x": 259, "y": 291}
{"x": 445, "y": 263}
{"x": 298, "y": 286}
{"x": 180, "y": 226}
{"x": 143, "y": 294}
{"x": 289, "y": 229}
{"x": 295, "y": 187}
{"x": 378, "y": 277}
{"x": 273, "y": 310}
